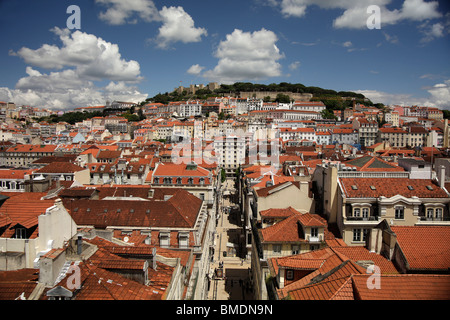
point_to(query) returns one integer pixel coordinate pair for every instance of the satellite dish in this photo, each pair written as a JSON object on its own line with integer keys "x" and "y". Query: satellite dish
{"x": 126, "y": 239}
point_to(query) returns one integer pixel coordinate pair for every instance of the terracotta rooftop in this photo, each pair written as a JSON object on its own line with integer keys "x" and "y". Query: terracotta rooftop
{"x": 32, "y": 148}
{"x": 389, "y": 187}
{"x": 368, "y": 163}
{"x": 328, "y": 264}
{"x": 289, "y": 229}
{"x": 60, "y": 167}
{"x": 180, "y": 210}
{"x": 403, "y": 287}
{"x": 16, "y": 211}
{"x": 425, "y": 247}
{"x": 278, "y": 213}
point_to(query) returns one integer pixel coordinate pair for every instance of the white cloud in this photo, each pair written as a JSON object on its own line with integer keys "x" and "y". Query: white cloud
{"x": 432, "y": 31}
{"x": 246, "y": 56}
{"x": 390, "y": 38}
{"x": 439, "y": 96}
{"x": 178, "y": 26}
{"x": 78, "y": 63}
{"x": 120, "y": 12}
{"x": 355, "y": 11}
{"x": 93, "y": 57}
{"x": 293, "y": 8}
{"x": 389, "y": 98}
{"x": 294, "y": 65}
{"x": 347, "y": 44}
{"x": 195, "y": 69}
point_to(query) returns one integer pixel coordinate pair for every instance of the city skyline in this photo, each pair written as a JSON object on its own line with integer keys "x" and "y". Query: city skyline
{"x": 134, "y": 52}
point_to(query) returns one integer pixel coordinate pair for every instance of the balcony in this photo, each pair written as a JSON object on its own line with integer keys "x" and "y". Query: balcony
{"x": 425, "y": 221}
{"x": 314, "y": 239}
{"x": 361, "y": 220}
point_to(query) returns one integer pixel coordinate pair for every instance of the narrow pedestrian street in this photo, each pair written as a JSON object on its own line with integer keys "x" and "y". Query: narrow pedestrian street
{"x": 229, "y": 272}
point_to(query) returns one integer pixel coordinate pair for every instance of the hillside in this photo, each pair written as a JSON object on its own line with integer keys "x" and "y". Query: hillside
{"x": 332, "y": 99}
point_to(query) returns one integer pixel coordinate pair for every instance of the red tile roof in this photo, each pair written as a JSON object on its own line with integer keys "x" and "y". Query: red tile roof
{"x": 288, "y": 230}
{"x": 389, "y": 187}
{"x": 403, "y": 287}
{"x": 14, "y": 173}
{"x": 330, "y": 287}
{"x": 368, "y": 163}
{"x": 16, "y": 290}
{"x": 100, "y": 284}
{"x": 425, "y": 247}
{"x": 180, "y": 170}
{"x": 32, "y": 148}
{"x": 60, "y": 167}
{"x": 179, "y": 211}
{"x": 16, "y": 211}
{"x": 328, "y": 264}
{"x": 278, "y": 213}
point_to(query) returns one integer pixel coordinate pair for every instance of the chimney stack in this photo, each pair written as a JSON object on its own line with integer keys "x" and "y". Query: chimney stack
{"x": 79, "y": 245}
{"x": 441, "y": 176}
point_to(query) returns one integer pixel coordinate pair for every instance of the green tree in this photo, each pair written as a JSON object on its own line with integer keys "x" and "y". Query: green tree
{"x": 282, "y": 98}
{"x": 223, "y": 176}
{"x": 446, "y": 114}
{"x": 328, "y": 114}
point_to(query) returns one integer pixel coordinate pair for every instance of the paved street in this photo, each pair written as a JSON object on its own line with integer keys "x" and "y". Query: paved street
{"x": 233, "y": 281}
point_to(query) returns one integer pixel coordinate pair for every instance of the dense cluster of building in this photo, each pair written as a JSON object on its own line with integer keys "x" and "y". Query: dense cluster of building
{"x": 109, "y": 208}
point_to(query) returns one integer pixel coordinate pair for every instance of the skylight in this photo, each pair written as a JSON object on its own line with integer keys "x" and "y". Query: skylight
{"x": 354, "y": 187}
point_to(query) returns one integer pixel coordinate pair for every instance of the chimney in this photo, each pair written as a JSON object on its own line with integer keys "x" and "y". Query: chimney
{"x": 79, "y": 245}
{"x": 154, "y": 258}
{"x": 59, "y": 204}
{"x": 441, "y": 176}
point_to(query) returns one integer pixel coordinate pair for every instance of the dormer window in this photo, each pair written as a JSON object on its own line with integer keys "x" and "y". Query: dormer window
{"x": 164, "y": 238}
{"x": 183, "y": 239}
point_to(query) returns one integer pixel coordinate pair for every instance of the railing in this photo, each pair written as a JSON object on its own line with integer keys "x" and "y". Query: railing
{"x": 362, "y": 220}
{"x": 369, "y": 218}
{"x": 361, "y": 174}
{"x": 314, "y": 239}
{"x": 434, "y": 219}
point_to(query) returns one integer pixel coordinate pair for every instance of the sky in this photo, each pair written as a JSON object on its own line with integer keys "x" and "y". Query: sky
{"x": 57, "y": 57}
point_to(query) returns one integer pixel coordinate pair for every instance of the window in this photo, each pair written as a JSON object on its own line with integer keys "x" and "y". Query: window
{"x": 365, "y": 212}
{"x": 21, "y": 233}
{"x": 356, "y": 212}
{"x": 164, "y": 239}
{"x": 399, "y": 213}
{"x": 183, "y": 240}
{"x": 365, "y": 234}
{"x": 438, "y": 213}
{"x": 357, "y": 234}
{"x": 295, "y": 249}
{"x": 314, "y": 232}
{"x": 276, "y": 248}
{"x": 430, "y": 213}
{"x": 289, "y": 274}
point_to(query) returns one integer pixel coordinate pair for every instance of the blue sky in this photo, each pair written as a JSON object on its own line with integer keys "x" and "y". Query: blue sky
{"x": 131, "y": 50}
